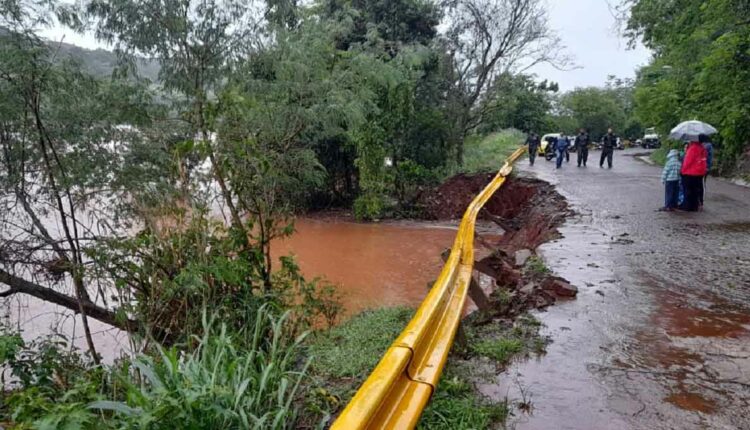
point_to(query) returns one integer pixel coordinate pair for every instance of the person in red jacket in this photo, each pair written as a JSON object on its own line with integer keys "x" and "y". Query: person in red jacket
{"x": 694, "y": 168}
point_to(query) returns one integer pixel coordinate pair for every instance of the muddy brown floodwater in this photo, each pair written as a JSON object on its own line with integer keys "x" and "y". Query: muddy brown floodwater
{"x": 372, "y": 265}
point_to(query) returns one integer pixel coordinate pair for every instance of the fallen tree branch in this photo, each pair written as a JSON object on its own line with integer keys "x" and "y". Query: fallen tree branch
{"x": 19, "y": 285}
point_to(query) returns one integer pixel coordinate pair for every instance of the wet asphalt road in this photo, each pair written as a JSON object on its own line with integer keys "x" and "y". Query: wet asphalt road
{"x": 659, "y": 336}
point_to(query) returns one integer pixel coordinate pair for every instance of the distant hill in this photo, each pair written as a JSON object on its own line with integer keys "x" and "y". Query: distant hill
{"x": 101, "y": 63}
{"x": 98, "y": 62}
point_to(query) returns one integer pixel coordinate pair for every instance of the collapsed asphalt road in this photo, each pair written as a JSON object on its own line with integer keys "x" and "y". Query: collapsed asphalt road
{"x": 659, "y": 337}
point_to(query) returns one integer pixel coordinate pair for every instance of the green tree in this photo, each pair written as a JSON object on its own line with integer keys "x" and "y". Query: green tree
{"x": 58, "y": 164}
{"x": 390, "y": 24}
{"x": 517, "y": 101}
{"x": 486, "y": 39}
{"x": 597, "y": 109}
{"x": 700, "y": 67}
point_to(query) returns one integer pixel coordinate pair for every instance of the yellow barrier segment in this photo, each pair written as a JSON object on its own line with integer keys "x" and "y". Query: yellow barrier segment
{"x": 397, "y": 391}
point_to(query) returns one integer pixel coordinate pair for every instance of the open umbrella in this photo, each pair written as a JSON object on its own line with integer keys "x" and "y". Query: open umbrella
{"x": 689, "y": 130}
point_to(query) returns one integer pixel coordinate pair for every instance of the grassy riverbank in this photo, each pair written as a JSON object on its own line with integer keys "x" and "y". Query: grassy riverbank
{"x": 345, "y": 355}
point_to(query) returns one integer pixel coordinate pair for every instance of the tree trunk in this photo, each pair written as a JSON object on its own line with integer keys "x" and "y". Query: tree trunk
{"x": 20, "y": 285}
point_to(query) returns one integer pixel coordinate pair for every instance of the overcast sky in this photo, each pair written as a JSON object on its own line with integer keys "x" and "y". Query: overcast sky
{"x": 586, "y": 27}
{"x": 589, "y": 33}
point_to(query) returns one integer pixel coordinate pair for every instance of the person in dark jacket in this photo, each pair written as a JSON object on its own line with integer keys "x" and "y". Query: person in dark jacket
{"x": 533, "y": 142}
{"x": 562, "y": 148}
{"x": 693, "y": 170}
{"x": 582, "y": 147}
{"x": 609, "y": 142}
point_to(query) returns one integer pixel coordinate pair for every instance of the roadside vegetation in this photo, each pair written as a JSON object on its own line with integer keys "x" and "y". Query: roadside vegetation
{"x": 536, "y": 266}
{"x": 345, "y": 356}
{"x": 488, "y": 153}
{"x": 702, "y": 70}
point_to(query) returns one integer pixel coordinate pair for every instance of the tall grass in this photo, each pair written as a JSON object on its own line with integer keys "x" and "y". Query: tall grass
{"x": 488, "y": 153}
{"x": 353, "y": 349}
{"x": 248, "y": 380}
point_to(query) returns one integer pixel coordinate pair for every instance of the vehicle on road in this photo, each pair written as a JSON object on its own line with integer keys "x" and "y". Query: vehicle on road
{"x": 651, "y": 139}
{"x": 546, "y": 147}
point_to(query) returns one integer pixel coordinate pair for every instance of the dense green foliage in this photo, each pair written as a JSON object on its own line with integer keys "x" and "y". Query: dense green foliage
{"x": 700, "y": 70}
{"x": 241, "y": 379}
{"x": 518, "y": 102}
{"x": 598, "y": 109}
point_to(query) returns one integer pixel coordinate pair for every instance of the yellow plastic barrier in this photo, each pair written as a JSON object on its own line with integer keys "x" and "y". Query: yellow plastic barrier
{"x": 397, "y": 391}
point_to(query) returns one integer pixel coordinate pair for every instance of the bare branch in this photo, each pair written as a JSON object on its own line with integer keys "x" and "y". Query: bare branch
{"x": 19, "y": 285}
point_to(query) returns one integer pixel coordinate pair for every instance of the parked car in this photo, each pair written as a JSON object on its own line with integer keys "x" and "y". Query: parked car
{"x": 651, "y": 139}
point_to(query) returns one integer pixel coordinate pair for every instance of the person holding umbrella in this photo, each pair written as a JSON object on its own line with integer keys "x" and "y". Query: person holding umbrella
{"x": 695, "y": 164}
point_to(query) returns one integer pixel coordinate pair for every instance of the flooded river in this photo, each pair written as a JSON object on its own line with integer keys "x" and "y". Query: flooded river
{"x": 372, "y": 265}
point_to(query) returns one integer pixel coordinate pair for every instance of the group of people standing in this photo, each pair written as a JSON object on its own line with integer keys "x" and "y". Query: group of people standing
{"x": 684, "y": 175}
{"x": 561, "y": 147}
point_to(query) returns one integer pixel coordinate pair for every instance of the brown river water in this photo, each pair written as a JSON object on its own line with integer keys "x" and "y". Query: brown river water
{"x": 372, "y": 265}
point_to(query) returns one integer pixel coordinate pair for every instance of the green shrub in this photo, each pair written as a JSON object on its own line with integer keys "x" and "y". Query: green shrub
{"x": 536, "y": 266}
{"x": 411, "y": 179}
{"x": 249, "y": 379}
{"x": 488, "y": 153}
{"x": 245, "y": 381}
{"x": 314, "y": 303}
{"x": 369, "y": 206}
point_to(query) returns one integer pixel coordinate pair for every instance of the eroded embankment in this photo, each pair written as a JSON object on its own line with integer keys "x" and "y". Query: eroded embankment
{"x": 529, "y": 212}
{"x": 514, "y": 280}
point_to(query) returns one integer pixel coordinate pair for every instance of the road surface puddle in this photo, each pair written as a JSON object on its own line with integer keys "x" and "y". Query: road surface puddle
{"x": 691, "y": 402}
{"x": 683, "y": 320}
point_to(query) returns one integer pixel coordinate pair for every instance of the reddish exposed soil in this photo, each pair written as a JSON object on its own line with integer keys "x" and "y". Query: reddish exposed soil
{"x": 450, "y": 200}
{"x": 529, "y": 211}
